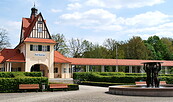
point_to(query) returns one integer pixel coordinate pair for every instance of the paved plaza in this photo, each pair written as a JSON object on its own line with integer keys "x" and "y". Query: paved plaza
{"x": 85, "y": 94}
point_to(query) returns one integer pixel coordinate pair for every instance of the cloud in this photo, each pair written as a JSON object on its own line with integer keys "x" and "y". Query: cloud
{"x": 55, "y": 10}
{"x": 74, "y": 6}
{"x": 122, "y": 3}
{"x": 97, "y": 19}
{"x": 148, "y": 18}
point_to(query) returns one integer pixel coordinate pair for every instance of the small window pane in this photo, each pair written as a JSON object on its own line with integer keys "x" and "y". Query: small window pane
{"x": 39, "y": 47}
{"x": 40, "y": 29}
{"x": 31, "y": 47}
{"x": 48, "y": 48}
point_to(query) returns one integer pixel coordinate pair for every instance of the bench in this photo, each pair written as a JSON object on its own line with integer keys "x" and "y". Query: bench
{"x": 144, "y": 83}
{"x": 58, "y": 86}
{"x": 29, "y": 87}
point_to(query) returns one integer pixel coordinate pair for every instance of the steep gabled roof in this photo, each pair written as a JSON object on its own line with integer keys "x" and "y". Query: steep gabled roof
{"x": 28, "y": 24}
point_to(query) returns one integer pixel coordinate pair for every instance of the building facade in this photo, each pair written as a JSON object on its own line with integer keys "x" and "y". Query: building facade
{"x": 35, "y": 52}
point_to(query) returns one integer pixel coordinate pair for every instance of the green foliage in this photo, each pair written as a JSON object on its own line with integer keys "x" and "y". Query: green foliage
{"x": 111, "y": 73}
{"x": 105, "y": 77}
{"x": 9, "y": 81}
{"x": 6, "y": 75}
{"x": 120, "y": 77}
{"x": 103, "y": 84}
{"x": 19, "y": 74}
{"x": 60, "y": 46}
{"x": 159, "y": 50}
{"x": 11, "y": 84}
{"x": 73, "y": 87}
{"x": 33, "y": 74}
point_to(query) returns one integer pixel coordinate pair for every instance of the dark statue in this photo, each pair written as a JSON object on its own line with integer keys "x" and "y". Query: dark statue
{"x": 152, "y": 69}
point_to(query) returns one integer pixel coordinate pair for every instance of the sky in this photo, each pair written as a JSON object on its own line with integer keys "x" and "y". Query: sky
{"x": 92, "y": 20}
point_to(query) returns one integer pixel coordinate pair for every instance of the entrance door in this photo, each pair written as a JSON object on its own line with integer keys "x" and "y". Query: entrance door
{"x": 40, "y": 68}
{"x": 35, "y": 68}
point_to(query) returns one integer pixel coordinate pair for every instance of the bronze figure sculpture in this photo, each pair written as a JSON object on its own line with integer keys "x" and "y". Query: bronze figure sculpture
{"x": 152, "y": 69}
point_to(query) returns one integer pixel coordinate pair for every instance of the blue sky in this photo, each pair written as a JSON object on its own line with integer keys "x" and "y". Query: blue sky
{"x": 93, "y": 20}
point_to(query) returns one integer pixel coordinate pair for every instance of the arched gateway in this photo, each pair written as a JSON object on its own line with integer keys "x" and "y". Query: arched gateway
{"x": 40, "y": 68}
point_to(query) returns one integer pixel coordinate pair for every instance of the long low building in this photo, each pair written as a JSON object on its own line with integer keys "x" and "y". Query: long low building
{"x": 35, "y": 52}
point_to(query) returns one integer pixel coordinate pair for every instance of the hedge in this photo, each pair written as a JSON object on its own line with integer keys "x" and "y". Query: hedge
{"x": 103, "y": 84}
{"x": 21, "y": 74}
{"x": 12, "y": 84}
{"x": 127, "y": 78}
{"x": 73, "y": 87}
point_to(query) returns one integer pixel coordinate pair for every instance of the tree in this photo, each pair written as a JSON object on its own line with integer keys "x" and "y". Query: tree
{"x": 61, "y": 45}
{"x": 136, "y": 48}
{"x": 169, "y": 45}
{"x": 4, "y": 40}
{"x": 97, "y": 51}
{"x": 158, "y": 49}
{"x": 114, "y": 47}
{"x": 78, "y": 47}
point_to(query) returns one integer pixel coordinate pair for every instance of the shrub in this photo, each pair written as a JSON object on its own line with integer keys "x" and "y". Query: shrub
{"x": 33, "y": 74}
{"x": 103, "y": 84}
{"x": 19, "y": 74}
{"x": 73, "y": 87}
{"x": 111, "y": 73}
{"x": 11, "y": 84}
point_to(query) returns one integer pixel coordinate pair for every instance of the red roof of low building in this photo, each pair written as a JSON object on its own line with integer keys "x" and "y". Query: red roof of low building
{"x": 111, "y": 62}
{"x": 11, "y": 55}
{"x": 59, "y": 58}
{"x": 17, "y": 58}
{"x": 39, "y": 40}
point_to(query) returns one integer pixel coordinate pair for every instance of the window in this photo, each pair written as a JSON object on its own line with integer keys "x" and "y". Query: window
{"x": 35, "y": 47}
{"x": 40, "y": 22}
{"x": 48, "y": 48}
{"x": 40, "y": 29}
{"x": 39, "y": 47}
{"x": 65, "y": 70}
{"x": 44, "y": 48}
{"x": 31, "y": 47}
{"x": 56, "y": 70}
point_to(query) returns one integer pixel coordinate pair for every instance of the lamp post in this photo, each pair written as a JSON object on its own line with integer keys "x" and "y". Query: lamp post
{"x": 116, "y": 58}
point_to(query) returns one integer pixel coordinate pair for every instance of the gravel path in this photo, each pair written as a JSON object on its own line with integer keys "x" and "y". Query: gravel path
{"x": 85, "y": 94}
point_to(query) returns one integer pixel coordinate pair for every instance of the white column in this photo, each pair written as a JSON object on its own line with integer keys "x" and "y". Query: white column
{"x": 116, "y": 68}
{"x": 141, "y": 69}
{"x": 166, "y": 70}
{"x": 9, "y": 67}
{"x": 87, "y": 68}
{"x": 130, "y": 69}
{"x": 102, "y": 68}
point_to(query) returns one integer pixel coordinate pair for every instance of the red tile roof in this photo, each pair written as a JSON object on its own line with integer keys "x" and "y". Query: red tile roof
{"x": 26, "y": 26}
{"x": 111, "y": 62}
{"x": 59, "y": 58}
{"x": 17, "y": 58}
{"x": 39, "y": 40}
{"x": 7, "y": 54}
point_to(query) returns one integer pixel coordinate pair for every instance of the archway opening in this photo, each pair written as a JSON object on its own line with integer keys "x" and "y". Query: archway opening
{"x": 40, "y": 68}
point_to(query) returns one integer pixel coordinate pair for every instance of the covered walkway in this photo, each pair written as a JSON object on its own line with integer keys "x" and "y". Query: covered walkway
{"x": 116, "y": 65}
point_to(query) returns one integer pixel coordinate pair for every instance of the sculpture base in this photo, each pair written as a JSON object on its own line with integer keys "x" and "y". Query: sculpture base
{"x": 135, "y": 90}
